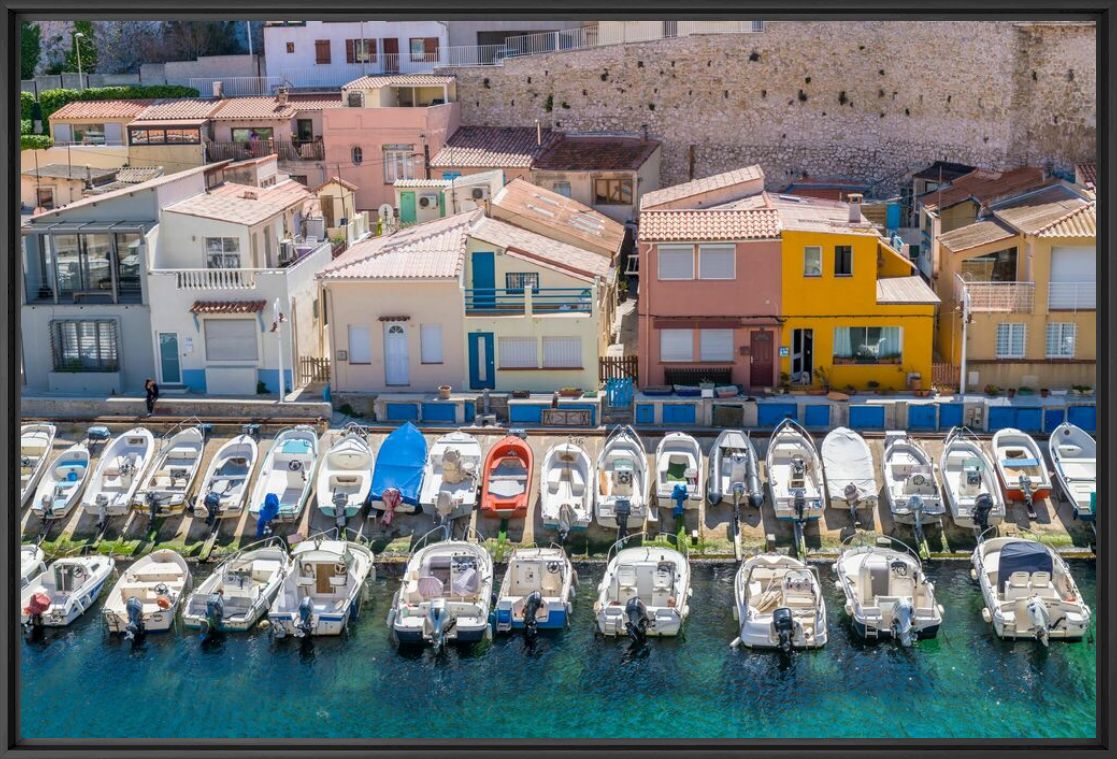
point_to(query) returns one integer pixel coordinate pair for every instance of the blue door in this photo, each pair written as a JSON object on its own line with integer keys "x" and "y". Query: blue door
{"x": 482, "y": 364}
{"x": 866, "y": 417}
{"x": 1085, "y": 417}
{"x": 921, "y": 417}
{"x": 170, "y": 369}
{"x": 484, "y": 280}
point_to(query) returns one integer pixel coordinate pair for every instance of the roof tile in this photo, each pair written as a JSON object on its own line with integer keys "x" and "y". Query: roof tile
{"x": 243, "y": 204}
{"x": 596, "y": 153}
{"x": 100, "y": 109}
{"x": 434, "y": 250}
{"x": 398, "y": 80}
{"x": 493, "y": 147}
{"x": 700, "y": 186}
{"x": 578, "y": 262}
{"x": 228, "y": 306}
{"x": 687, "y": 225}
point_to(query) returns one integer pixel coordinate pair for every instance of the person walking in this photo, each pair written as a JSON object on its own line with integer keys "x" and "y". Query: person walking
{"x": 152, "y": 391}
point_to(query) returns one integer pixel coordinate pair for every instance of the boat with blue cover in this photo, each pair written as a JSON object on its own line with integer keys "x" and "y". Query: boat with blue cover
{"x": 398, "y": 475}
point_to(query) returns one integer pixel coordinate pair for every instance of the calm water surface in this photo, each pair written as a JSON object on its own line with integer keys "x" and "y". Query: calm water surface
{"x": 77, "y": 683}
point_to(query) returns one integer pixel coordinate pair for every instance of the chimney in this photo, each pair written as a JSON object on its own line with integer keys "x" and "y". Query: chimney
{"x": 855, "y": 206}
{"x": 281, "y": 96}
{"x": 538, "y": 133}
{"x": 218, "y": 90}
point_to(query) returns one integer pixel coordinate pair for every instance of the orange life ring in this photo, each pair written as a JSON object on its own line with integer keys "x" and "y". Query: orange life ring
{"x": 163, "y": 602}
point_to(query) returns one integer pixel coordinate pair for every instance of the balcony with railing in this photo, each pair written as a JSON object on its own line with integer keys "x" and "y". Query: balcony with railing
{"x": 1072, "y": 296}
{"x": 1009, "y": 297}
{"x": 287, "y": 150}
{"x": 546, "y": 301}
{"x": 308, "y": 257}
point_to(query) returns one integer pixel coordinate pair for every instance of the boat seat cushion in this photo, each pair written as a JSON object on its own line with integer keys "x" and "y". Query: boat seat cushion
{"x": 1019, "y": 463}
{"x": 263, "y": 569}
{"x": 466, "y": 582}
{"x": 429, "y": 587}
{"x": 508, "y": 487}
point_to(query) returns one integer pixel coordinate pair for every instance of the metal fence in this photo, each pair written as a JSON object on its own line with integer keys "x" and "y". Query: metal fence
{"x": 235, "y": 86}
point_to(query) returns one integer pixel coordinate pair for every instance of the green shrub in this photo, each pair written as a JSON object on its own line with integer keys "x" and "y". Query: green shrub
{"x": 26, "y": 103}
{"x": 24, "y": 126}
{"x": 34, "y": 142}
{"x": 52, "y": 100}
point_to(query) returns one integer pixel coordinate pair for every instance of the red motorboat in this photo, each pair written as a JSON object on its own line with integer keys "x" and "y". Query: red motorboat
{"x": 506, "y": 485}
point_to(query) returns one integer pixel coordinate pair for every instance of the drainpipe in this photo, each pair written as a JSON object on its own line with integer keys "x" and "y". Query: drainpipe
{"x": 279, "y": 347}
{"x": 965, "y": 323}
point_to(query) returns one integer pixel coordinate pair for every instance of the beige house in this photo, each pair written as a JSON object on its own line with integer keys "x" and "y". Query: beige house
{"x": 95, "y": 122}
{"x": 56, "y": 185}
{"x": 172, "y": 133}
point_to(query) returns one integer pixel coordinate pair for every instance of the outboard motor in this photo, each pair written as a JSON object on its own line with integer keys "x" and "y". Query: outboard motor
{"x": 215, "y": 612}
{"x": 441, "y": 623}
{"x": 102, "y": 503}
{"x": 1028, "y": 491}
{"x": 636, "y": 620}
{"x": 532, "y": 604}
{"x": 304, "y": 626}
{"x": 983, "y": 505}
{"x": 902, "y": 615}
{"x": 679, "y": 495}
{"x": 268, "y": 512}
{"x": 1040, "y": 616}
{"x": 135, "y": 609}
{"x": 800, "y": 506}
{"x": 340, "y": 501}
{"x": 783, "y": 624}
{"x": 37, "y": 606}
{"x": 565, "y": 521}
{"x": 624, "y": 508}
{"x": 915, "y": 503}
{"x": 212, "y": 503}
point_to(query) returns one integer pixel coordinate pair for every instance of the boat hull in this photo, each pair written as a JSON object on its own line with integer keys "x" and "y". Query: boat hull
{"x": 925, "y": 632}
{"x": 758, "y": 635}
{"x": 322, "y": 625}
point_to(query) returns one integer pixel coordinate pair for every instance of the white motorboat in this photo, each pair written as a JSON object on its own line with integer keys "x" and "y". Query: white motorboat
{"x": 851, "y": 476}
{"x": 622, "y": 479}
{"x": 1029, "y": 591}
{"x": 167, "y": 486}
{"x": 32, "y": 563}
{"x": 148, "y": 594}
{"x": 65, "y": 591}
{"x": 910, "y": 486}
{"x": 969, "y": 482}
{"x": 678, "y": 473}
{"x": 779, "y": 604}
{"x": 324, "y": 590}
{"x": 35, "y": 444}
{"x": 445, "y": 594}
{"x": 645, "y": 592}
{"x": 119, "y": 473}
{"x": 1075, "y": 456}
{"x": 795, "y": 479}
{"x": 887, "y": 593}
{"x": 451, "y": 476}
{"x": 63, "y": 483}
{"x": 225, "y": 484}
{"x": 345, "y": 475}
{"x": 734, "y": 469}
{"x": 567, "y": 488}
{"x": 287, "y": 475}
{"x": 537, "y": 592}
{"x": 240, "y": 591}
{"x": 1021, "y": 467}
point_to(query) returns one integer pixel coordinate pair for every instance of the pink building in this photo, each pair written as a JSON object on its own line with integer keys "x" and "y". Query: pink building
{"x": 388, "y": 128}
{"x": 710, "y": 279}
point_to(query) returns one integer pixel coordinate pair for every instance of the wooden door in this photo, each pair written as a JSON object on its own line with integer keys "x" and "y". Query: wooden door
{"x": 763, "y": 359}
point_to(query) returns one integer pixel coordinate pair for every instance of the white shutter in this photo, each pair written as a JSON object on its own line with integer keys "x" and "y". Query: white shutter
{"x": 62, "y": 133}
{"x": 676, "y": 261}
{"x": 562, "y": 352}
{"x": 231, "y": 339}
{"x": 715, "y": 344}
{"x": 717, "y": 261}
{"x": 1011, "y": 339}
{"x": 430, "y": 343}
{"x": 1073, "y": 278}
{"x": 676, "y": 345}
{"x": 519, "y": 353}
{"x": 360, "y": 345}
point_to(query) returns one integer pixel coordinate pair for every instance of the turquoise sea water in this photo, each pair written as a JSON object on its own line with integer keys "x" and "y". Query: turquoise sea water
{"x": 78, "y": 683}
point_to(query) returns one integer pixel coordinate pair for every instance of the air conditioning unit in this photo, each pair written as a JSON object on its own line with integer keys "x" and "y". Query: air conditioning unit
{"x": 428, "y": 201}
{"x": 478, "y": 193}
{"x": 287, "y": 252}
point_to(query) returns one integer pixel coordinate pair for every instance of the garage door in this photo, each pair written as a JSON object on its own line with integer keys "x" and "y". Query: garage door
{"x": 1073, "y": 277}
{"x": 233, "y": 345}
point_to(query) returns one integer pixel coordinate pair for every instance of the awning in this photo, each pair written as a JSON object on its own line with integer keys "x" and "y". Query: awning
{"x": 87, "y": 227}
{"x": 169, "y": 123}
{"x": 395, "y": 318}
{"x": 228, "y": 306}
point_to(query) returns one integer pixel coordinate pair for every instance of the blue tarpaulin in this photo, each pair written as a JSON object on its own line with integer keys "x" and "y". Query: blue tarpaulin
{"x": 1022, "y": 556}
{"x": 399, "y": 464}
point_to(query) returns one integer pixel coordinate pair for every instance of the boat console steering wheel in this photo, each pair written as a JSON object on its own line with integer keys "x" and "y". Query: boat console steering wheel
{"x": 161, "y": 589}
{"x": 294, "y": 465}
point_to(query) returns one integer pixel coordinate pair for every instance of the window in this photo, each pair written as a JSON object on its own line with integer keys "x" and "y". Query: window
{"x": 290, "y": 47}
{"x": 84, "y": 266}
{"x": 514, "y": 281}
{"x": 867, "y": 345}
{"x": 676, "y": 261}
{"x": 612, "y": 192}
{"x": 89, "y": 134}
{"x": 715, "y": 344}
{"x": 358, "y": 155}
{"x": 562, "y": 353}
{"x": 231, "y": 339}
{"x": 321, "y": 51}
{"x": 44, "y": 197}
{"x": 161, "y": 135}
{"x": 562, "y": 188}
{"x": 430, "y": 343}
{"x": 424, "y": 49}
{"x": 518, "y": 353}
{"x": 356, "y": 100}
{"x": 397, "y": 162}
{"x": 129, "y": 257}
{"x": 84, "y": 345}
{"x": 676, "y": 345}
{"x": 812, "y": 262}
{"x": 222, "y": 253}
{"x": 360, "y": 345}
{"x": 360, "y": 51}
{"x": 843, "y": 261}
{"x": 253, "y": 134}
{"x": 1011, "y": 340}
{"x": 994, "y": 267}
{"x": 717, "y": 261}
{"x": 1061, "y": 338}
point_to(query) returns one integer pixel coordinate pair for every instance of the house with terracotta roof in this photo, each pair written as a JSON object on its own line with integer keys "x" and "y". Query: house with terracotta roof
{"x": 1022, "y": 278}
{"x": 58, "y": 184}
{"x": 94, "y": 122}
{"x": 419, "y": 200}
{"x": 172, "y": 133}
{"x": 475, "y": 149}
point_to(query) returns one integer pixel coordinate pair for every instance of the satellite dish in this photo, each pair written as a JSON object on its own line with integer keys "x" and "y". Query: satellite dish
{"x": 387, "y": 212}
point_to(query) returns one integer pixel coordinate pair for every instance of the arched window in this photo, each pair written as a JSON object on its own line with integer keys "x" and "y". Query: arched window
{"x": 358, "y": 155}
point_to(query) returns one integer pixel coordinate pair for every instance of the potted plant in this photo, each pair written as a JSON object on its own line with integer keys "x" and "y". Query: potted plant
{"x": 622, "y": 291}
{"x": 1011, "y": 392}
{"x": 992, "y": 390}
{"x": 1044, "y": 392}
{"x": 444, "y": 392}
{"x": 873, "y": 385}
{"x": 785, "y": 382}
{"x": 823, "y": 379}
{"x": 1025, "y": 390}
{"x": 570, "y": 392}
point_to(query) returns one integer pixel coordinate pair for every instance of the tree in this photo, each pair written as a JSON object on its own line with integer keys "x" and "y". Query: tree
{"x": 86, "y": 44}
{"x": 123, "y": 45}
{"x": 29, "y": 48}
{"x": 186, "y": 40}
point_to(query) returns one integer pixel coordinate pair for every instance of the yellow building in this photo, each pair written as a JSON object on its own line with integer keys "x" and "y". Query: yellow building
{"x": 854, "y": 311}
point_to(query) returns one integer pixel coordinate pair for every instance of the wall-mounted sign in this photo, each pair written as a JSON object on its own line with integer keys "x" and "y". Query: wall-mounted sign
{"x": 343, "y": 355}
{"x": 784, "y": 351}
{"x": 187, "y": 345}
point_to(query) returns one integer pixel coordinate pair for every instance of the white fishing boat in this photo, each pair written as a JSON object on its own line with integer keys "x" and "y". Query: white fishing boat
{"x": 1021, "y": 467}
{"x": 65, "y": 591}
{"x": 1029, "y": 591}
{"x": 910, "y": 486}
{"x": 63, "y": 483}
{"x": 225, "y": 484}
{"x": 645, "y": 592}
{"x": 567, "y": 488}
{"x": 35, "y": 444}
{"x": 969, "y": 482}
{"x": 324, "y": 590}
{"x": 887, "y": 593}
{"x": 240, "y": 591}
{"x": 119, "y": 473}
{"x": 795, "y": 479}
{"x": 537, "y": 592}
{"x": 734, "y": 469}
{"x": 451, "y": 476}
{"x": 445, "y": 594}
{"x": 345, "y": 475}
{"x": 779, "y": 604}
{"x": 622, "y": 479}
{"x": 678, "y": 467}
{"x": 1075, "y": 456}
{"x": 167, "y": 485}
{"x": 148, "y": 594}
{"x": 851, "y": 476}
{"x": 32, "y": 563}
{"x": 287, "y": 475}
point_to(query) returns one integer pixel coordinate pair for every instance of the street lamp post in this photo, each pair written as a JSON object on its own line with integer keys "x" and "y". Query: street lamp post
{"x": 77, "y": 47}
